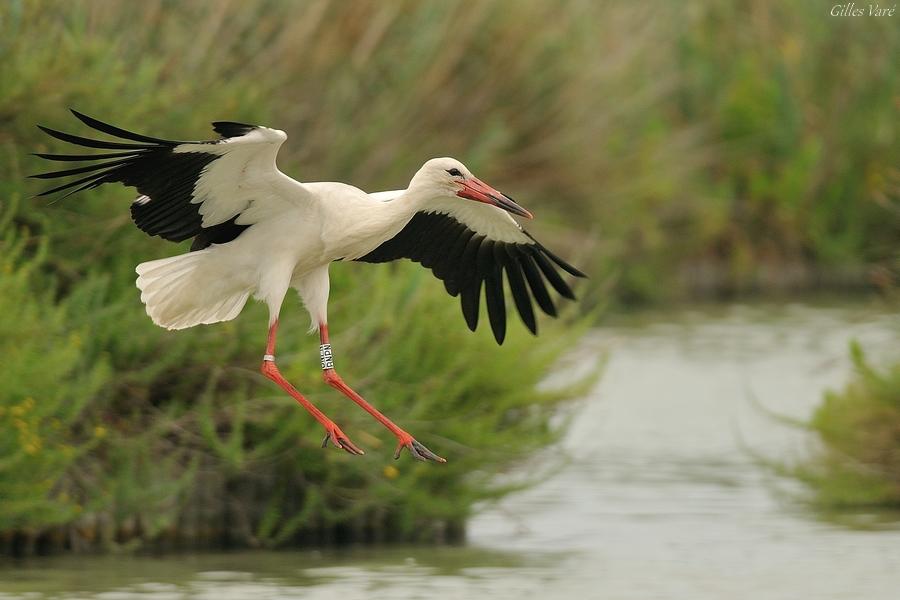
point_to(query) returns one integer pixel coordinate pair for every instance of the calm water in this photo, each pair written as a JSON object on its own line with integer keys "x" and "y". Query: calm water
{"x": 662, "y": 496}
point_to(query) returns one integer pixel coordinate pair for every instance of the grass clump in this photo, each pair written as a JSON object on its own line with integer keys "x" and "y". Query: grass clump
{"x": 859, "y": 427}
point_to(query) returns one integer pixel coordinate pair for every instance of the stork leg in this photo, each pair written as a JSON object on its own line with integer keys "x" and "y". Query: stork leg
{"x": 332, "y": 431}
{"x": 404, "y": 440}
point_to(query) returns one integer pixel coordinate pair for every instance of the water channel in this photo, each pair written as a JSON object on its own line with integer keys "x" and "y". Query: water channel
{"x": 665, "y": 491}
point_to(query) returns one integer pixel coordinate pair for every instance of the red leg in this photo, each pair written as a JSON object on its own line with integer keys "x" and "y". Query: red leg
{"x": 332, "y": 431}
{"x": 404, "y": 440}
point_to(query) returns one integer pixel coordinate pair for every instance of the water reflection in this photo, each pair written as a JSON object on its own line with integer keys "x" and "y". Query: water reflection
{"x": 360, "y": 573}
{"x": 662, "y": 497}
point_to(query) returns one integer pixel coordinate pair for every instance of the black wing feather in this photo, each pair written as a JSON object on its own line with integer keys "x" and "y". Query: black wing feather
{"x": 469, "y": 299}
{"x": 84, "y": 157}
{"x": 562, "y": 264}
{"x": 89, "y": 143}
{"x": 122, "y": 133}
{"x": 466, "y": 261}
{"x": 149, "y": 164}
{"x": 517, "y": 287}
{"x": 87, "y": 169}
{"x": 93, "y": 177}
{"x": 493, "y": 293}
{"x": 228, "y": 129}
{"x": 536, "y": 284}
{"x": 552, "y": 276}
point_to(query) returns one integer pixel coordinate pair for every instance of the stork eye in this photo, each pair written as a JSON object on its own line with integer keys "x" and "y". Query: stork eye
{"x": 454, "y": 172}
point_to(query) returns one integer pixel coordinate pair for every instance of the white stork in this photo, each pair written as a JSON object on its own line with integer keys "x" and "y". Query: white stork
{"x": 257, "y": 232}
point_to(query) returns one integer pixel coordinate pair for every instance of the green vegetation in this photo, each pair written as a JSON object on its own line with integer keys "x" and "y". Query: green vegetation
{"x": 801, "y": 187}
{"x": 859, "y": 465}
{"x": 669, "y": 149}
{"x": 118, "y": 430}
{"x": 42, "y": 434}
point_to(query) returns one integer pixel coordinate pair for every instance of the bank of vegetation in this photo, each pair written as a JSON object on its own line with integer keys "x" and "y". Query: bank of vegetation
{"x": 856, "y": 473}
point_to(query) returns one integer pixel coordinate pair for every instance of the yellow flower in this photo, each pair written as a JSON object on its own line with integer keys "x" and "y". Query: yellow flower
{"x": 100, "y": 432}
{"x": 33, "y": 446}
{"x": 391, "y": 472}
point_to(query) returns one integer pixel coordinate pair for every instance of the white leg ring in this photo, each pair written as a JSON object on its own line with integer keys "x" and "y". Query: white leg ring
{"x": 269, "y": 358}
{"x": 326, "y": 356}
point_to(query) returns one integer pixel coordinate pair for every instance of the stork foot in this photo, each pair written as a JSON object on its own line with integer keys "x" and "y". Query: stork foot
{"x": 337, "y": 437}
{"x": 418, "y": 450}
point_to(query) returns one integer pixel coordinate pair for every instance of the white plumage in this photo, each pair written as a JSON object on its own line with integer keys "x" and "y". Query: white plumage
{"x": 258, "y": 232}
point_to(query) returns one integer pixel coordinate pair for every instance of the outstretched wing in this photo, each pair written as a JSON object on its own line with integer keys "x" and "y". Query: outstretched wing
{"x": 472, "y": 249}
{"x": 200, "y": 189}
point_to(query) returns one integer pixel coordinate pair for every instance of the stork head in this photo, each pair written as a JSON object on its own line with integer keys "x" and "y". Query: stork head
{"x": 449, "y": 177}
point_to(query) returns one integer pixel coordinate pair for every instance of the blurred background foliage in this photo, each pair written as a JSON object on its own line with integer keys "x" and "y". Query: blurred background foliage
{"x": 675, "y": 151}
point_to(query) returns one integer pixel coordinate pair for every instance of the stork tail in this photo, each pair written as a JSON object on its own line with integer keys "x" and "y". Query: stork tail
{"x": 187, "y": 290}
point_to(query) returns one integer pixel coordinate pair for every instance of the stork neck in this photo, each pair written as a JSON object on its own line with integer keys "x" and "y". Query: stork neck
{"x": 404, "y": 206}
{"x": 422, "y": 198}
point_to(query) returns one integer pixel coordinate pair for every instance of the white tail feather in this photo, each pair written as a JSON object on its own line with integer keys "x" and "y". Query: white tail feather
{"x": 190, "y": 289}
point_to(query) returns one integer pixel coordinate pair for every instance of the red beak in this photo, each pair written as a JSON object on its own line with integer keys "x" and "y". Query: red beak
{"x": 475, "y": 189}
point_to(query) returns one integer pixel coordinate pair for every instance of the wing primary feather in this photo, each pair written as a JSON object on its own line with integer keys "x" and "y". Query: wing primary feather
{"x": 89, "y": 143}
{"x": 121, "y": 133}
{"x": 451, "y": 286}
{"x": 92, "y": 177}
{"x": 86, "y": 157}
{"x": 488, "y": 268}
{"x": 518, "y": 289}
{"x": 469, "y": 299}
{"x": 550, "y": 273}
{"x": 536, "y": 283}
{"x": 562, "y": 264}
{"x": 96, "y": 182}
{"x": 493, "y": 292}
{"x": 467, "y": 272}
{"x": 87, "y": 169}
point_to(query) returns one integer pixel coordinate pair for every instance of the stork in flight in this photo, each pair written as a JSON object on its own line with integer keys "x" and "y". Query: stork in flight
{"x": 258, "y": 232}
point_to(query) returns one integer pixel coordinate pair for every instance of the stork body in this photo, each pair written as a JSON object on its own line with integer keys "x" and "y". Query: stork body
{"x": 258, "y": 233}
